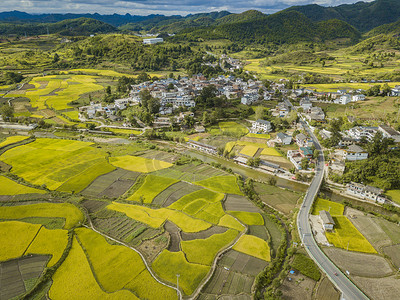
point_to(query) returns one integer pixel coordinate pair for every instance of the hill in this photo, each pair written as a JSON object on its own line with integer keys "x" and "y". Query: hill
{"x": 389, "y": 29}
{"x": 282, "y": 27}
{"x": 75, "y": 27}
{"x": 362, "y": 15}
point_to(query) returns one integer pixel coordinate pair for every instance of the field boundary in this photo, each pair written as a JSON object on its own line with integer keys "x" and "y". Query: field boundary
{"x": 138, "y": 252}
{"x": 217, "y": 257}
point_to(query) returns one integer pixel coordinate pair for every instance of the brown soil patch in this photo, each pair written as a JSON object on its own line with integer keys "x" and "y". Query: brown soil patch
{"x": 203, "y": 234}
{"x": 93, "y": 205}
{"x": 175, "y": 238}
{"x": 327, "y": 291}
{"x": 47, "y": 113}
{"x": 297, "y": 286}
{"x": 117, "y": 188}
{"x": 254, "y": 140}
{"x": 394, "y": 253}
{"x": 239, "y": 203}
{"x": 175, "y": 192}
{"x": 242, "y": 263}
{"x": 27, "y": 86}
{"x": 359, "y": 264}
{"x": 151, "y": 248}
{"x": 379, "y": 288}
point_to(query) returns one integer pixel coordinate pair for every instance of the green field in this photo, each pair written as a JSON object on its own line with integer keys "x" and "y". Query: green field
{"x": 253, "y": 246}
{"x": 259, "y": 135}
{"x": 222, "y": 184}
{"x": 74, "y": 115}
{"x": 306, "y": 266}
{"x": 151, "y": 187}
{"x": 125, "y": 131}
{"x": 139, "y": 164}
{"x": 82, "y": 285}
{"x": 248, "y": 218}
{"x": 69, "y": 212}
{"x": 204, "y": 251}
{"x": 203, "y": 196}
{"x": 346, "y": 236}
{"x": 394, "y": 195}
{"x": 110, "y": 264}
{"x": 10, "y": 187}
{"x": 335, "y": 209}
{"x": 13, "y": 139}
{"x": 63, "y": 165}
{"x": 233, "y": 128}
{"x": 168, "y": 264}
{"x": 156, "y": 217}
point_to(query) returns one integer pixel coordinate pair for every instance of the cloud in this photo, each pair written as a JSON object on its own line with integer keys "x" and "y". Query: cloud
{"x": 145, "y": 7}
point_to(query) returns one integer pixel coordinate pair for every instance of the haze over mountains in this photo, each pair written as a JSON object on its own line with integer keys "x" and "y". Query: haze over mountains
{"x": 295, "y": 24}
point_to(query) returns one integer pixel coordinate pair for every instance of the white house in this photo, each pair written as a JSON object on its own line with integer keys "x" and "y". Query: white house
{"x": 152, "y": 41}
{"x": 356, "y": 98}
{"x": 343, "y": 99}
{"x": 389, "y": 132}
{"x": 327, "y": 220}
{"x": 366, "y": 192}
{"x": 284, "y": 139}
{"x": 261, "y": 126}
{"x": 355, "y": 152}
{"x": 305, "y": 103}
{"x": 203, "y": 147}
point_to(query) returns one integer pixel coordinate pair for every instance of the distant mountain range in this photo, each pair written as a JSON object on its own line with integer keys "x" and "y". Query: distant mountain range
{"x": 295, "y": 24}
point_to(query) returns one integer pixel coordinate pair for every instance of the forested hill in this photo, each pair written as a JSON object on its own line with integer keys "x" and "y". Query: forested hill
{"x": 282, "y": 27}
{"x": 362, "y": 15}
{"x": 392, "y": 29}
{"x": 81, "y": 26}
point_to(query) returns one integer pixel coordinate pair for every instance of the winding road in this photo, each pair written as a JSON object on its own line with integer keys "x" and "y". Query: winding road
{"x": 349, "y": 290}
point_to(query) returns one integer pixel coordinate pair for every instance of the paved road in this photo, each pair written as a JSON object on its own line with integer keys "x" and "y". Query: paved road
{"x": 348, "y": 289}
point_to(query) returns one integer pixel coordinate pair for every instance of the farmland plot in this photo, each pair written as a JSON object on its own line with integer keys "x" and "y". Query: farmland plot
{"x": 138, "y": 164}
{"x": 10, "y": 187}
{"x": 151, "y": 187}
{"x": 222, "y": 184}
{"x": 63, "y": 165}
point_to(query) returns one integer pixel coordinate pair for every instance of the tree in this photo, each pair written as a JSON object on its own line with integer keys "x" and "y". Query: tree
{"x": 12, "y": 77}
{"x": 7, "y": 112}
{"x": 142, "y": 77}
{"x": 374, "y": 91}
{"x": 386, "y": 89}
{"x": 56, "y": 58}
{"x": 108, "y": 90}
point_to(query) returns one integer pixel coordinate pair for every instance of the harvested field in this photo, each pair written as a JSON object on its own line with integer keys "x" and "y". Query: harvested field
{"x": 279, "y": 160}
{"x": 368, "y": 226}
{"x": 259, "y": 231}
{"x": 327, "y": 291}
{"x": 15, "y": 273}
{"x": 228, "y": 282}
{"x": 242, "y": 263}
{"x": 109, "y": 184}
{"x": 379, "y": 288}
{"x": 203, "y": 234}
{"x": 94, "y": 205}
{"x": 274, "y": 232}
{"x": 394, "y": 253}
{"x": 153, "y": 247}
{"x": 239, "y": 203}
{"x": 298, "y": 287}
{"x": 175, "y": 239}
{"x": 359, "y": 264}
{"x": 168, "y": 157}
{"x": 190, "y": 172}
{"x": 174, "y": 192}
{"x": 281, "y": 199}
{"x": 125, "y": 229}
{"x": 391, "y": 229}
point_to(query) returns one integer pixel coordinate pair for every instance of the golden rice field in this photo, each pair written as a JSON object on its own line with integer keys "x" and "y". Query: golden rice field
{"x": 254, "y": 246}
{"x": 13, "y": 139}
{"x": 82, "y": 284}
{"x": 151, "y": 187}
{"x": 72, "y": 215}
{"x": 156, "y": 217}
{"x": 248, "y": 218}
{"x": 230, "y": 222}
{"x": 63, "y": 165}
{"x": 249, "y": 150}
{"x": 221, "y": 184}
{"x": 118, "y": 267}
{"x": 138, "y": 164}
{"x": 57, "y": 91}
{"x": 10, "y": 187}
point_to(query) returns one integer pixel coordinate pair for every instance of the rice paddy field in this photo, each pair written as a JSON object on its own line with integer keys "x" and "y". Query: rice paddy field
{"x": 346, "y": 236}
{"x": 151, "y": 187}
{"x": 12, "y": 140}
{"x": 394, "y": 195}
{"x": 62, "y": 165}
{"x": 254, "y": 246}
{"x": 10, "y": 187}
{"x": 57, "y": 91}
{"x": 335, "y": 209}
{"x": 250, "y": 148}
{"x": 222, "y": 184}
{"x": 139, "y": 164}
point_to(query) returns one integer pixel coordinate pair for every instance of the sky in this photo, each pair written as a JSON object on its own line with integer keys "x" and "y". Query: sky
{"x": 166, "y": 7}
